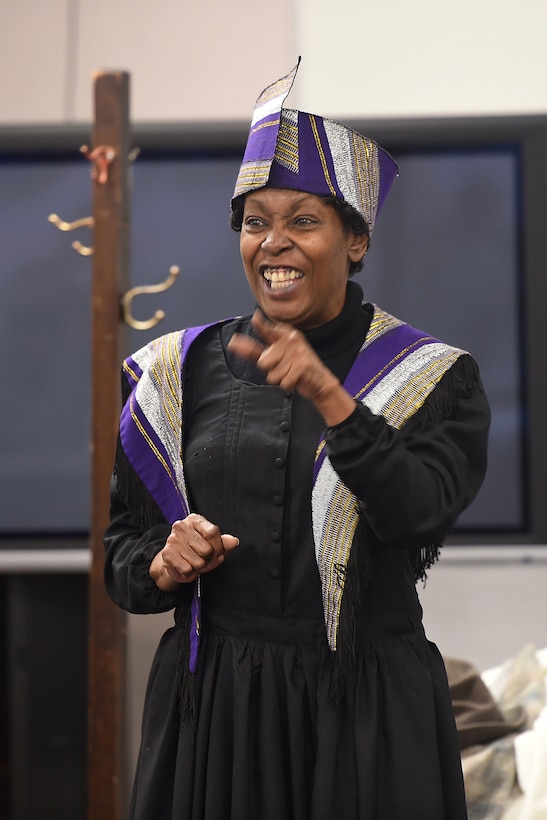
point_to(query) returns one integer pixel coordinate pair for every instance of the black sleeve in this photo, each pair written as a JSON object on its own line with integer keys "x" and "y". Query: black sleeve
{"x": 414, "y": 482}
{"x": 129, "y": 553}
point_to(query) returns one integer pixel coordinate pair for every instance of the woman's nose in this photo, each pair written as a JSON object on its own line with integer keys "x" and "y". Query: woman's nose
{"x": 277, "y": 238}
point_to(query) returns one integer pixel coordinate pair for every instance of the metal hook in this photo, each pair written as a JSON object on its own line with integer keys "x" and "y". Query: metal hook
{"x": 159, "y": 314}
{"x": 87, "y": 221}
{"x": 83, "y": 250}
{"x": 103, "y": 156}
{"x": 70, "y": 226}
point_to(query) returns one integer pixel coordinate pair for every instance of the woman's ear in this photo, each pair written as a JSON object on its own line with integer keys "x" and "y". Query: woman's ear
{"x": 358, "y": 246}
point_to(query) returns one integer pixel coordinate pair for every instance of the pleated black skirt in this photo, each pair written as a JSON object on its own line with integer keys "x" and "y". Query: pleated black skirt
{"x": 269, "y": 744}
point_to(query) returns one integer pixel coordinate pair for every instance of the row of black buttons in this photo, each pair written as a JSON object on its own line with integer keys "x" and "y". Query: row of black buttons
{"x": 279, "y": 462}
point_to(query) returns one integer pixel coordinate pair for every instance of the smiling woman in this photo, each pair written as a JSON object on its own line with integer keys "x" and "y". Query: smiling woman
{"x": 296, "y": 254}
{"x": 281, "y": 482}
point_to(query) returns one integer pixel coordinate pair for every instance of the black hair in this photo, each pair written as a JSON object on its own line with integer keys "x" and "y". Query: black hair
{"x": 351, "y": 220}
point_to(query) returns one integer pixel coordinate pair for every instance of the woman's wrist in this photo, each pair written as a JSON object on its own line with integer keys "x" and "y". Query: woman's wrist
{"x": 335, "y": 403}
{"x": 160, "y": 576}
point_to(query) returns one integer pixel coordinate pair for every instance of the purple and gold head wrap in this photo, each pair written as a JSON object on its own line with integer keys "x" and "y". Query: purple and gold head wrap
{"x": 304, "y": 152}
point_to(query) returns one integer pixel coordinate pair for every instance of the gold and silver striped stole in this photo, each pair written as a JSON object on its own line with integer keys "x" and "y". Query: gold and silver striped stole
{"x": 395, "y": 371}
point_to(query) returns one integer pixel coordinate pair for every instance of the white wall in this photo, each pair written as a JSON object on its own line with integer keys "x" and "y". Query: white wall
{"x": 423, "y": 57}
{"x": 34, "y": 65}
{"x": 193, "y": 61}
{"x": 210, "y": 59}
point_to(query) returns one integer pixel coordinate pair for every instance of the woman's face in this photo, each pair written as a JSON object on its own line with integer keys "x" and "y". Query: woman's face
{"x": 296, "y": 254}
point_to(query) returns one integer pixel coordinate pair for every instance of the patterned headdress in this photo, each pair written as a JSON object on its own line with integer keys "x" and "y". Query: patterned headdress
{"x": 305, "y": 152}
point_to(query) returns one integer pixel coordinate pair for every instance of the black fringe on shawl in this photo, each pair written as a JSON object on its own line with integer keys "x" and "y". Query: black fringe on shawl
{"x": 356, "y": 581}
{"x": 146, "y": 514}
{"x": 183, "y": 620}
{"x": 459, "y": 382}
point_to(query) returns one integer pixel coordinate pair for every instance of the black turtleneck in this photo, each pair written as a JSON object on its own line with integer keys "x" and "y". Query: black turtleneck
{"x": 339, "y": 341}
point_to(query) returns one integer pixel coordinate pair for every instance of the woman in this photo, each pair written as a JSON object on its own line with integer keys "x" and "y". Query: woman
{"x": 282, "y": 481}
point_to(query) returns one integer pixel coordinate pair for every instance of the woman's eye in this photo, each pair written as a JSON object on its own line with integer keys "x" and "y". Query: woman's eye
{"x": 253, "y": 222}
{"x": 304, "y": 220}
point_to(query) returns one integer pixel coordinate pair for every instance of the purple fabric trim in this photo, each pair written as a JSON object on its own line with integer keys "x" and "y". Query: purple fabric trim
{"x": 323, "y": 140}
{"x": 379, "y": 356}
{"x": 194, "y": 628}
{"x": 189, "y": 336}
{"x": 311, "y": 172}
{"x": 262, "y": 139}
{"x": 160, "y": 483}
{"x": 388, "y": 175}
{"x": 134, "y": 368}
{"x": 281, "y": 177}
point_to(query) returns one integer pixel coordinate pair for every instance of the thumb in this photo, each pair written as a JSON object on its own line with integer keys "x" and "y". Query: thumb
{"x": 268, "y": 331}
{"x": 245, "y": 347}
{"x": 229, "y": 542}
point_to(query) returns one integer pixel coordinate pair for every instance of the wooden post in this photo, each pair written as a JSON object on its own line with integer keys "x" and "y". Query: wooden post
{"x": 107, "y": 624}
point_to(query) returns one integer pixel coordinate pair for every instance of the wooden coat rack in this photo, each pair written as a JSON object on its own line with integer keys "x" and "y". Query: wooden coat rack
{"x": 107, "y": 624}
{"x": 110, "y": 155}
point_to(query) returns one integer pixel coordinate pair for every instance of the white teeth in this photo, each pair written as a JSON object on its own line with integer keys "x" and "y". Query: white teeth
{"x": 281, "y": 277}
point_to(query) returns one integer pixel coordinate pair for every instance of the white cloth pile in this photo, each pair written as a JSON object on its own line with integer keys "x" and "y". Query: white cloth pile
{"x": 507, "y": 779}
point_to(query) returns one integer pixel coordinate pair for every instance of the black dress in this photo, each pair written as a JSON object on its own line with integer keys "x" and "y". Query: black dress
{"x": 270, "y": 741}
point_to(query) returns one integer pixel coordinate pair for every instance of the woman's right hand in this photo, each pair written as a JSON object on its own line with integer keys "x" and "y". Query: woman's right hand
{"x": 194, "y": 546}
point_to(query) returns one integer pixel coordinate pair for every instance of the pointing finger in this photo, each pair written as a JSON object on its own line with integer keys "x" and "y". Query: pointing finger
{"x": 245, "y": 347}
{"x": 269, "y": 331}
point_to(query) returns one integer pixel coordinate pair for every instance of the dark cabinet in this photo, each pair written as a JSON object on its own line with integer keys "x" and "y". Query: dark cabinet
{"x": 44, "y": 711}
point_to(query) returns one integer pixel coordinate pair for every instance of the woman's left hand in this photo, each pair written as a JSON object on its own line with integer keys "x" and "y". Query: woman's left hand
{"x": 289, "y": 361}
